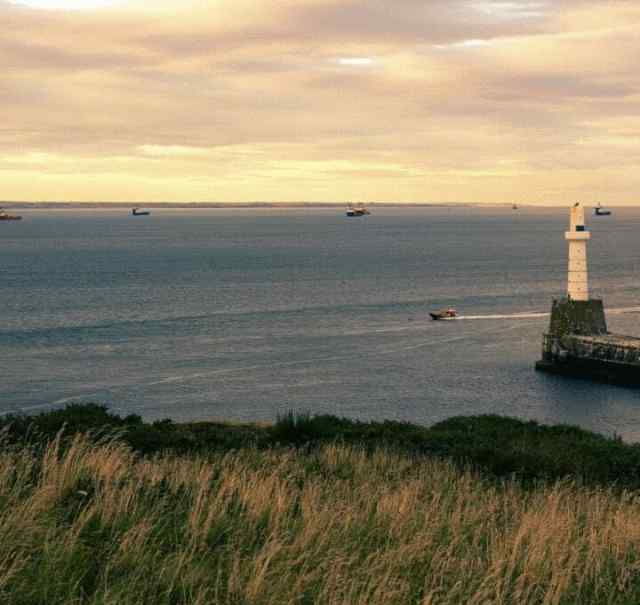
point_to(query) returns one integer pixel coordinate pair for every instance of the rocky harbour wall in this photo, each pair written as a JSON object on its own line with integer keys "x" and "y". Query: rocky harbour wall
{"x": 578, "y": 317}
{"x": 611, "y": 372}
{"x": 578, "y": 344}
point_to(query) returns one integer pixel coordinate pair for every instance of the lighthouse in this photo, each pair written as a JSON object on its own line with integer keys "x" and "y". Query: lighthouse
{"x": 577, "y": 342}
{"x": 577, "y": 313}
{"x": 577, "y": 236}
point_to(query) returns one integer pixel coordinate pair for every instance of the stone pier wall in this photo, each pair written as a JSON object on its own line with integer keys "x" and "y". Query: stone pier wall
{"x": 578, "y": 344}
{"x": 614, "y": 348}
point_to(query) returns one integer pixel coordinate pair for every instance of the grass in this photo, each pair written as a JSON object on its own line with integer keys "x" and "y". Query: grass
{"x": 89, "y": 521}
{"x": 96, "y": 509}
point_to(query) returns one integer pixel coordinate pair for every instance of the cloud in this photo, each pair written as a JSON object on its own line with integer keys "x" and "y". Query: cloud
{"x": 356, "y": 61}
{"x": 164, "y": 151}
{"x": 415, "y": 99}
{"x": 63, "y": 4}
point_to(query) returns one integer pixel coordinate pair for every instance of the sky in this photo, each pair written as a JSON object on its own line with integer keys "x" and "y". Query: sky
{"x": 492, "y": 101}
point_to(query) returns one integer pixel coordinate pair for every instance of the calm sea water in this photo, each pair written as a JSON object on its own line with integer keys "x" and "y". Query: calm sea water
{"x": 245, "y": 314}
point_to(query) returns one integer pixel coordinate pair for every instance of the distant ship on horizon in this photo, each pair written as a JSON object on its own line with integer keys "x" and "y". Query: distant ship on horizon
{"x": 357, "y": 210}
{"x": 5, "y": 216}
{"x": 138, "y": 212}
{"x": 600, "y": 211}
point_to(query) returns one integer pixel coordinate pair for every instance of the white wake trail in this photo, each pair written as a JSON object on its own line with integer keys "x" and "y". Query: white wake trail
{"x": 505, "y": 316}
{"x": 622, "y": 310}
{"x": 615, "y": 311}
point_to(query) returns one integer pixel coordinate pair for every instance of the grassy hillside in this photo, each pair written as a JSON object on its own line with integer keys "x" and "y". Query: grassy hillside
{"x": 97, "y": 524}
{"x": 101, "y": 510}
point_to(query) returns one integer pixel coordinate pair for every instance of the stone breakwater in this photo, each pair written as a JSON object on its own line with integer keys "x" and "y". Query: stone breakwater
{"x": 578, "y": 344}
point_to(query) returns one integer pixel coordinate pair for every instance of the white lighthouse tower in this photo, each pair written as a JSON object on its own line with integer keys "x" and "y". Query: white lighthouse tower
{"x": 578, "y": 236}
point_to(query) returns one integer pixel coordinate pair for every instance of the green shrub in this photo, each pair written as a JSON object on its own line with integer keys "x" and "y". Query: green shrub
{"x": 501, "y": 447}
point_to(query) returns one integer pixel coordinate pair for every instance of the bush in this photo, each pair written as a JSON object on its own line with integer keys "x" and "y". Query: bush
{"x": 500, "y": 447}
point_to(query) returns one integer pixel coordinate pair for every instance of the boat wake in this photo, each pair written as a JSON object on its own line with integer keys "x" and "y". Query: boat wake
{"x": 622, "y": 310}
{"x": 504, "y": 316}
{"x": 618, "y": 311}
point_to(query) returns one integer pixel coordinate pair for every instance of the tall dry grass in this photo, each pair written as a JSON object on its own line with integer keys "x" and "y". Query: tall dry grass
{"x": 95, "y": 524}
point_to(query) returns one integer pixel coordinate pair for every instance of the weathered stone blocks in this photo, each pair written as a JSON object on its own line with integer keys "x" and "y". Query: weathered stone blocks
{"x": 584, "y": 317}
{"x": 578, "y": 344}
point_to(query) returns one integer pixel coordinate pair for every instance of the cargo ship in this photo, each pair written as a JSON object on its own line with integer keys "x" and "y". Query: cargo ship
{"x": 4, "y": 216}
{"x": 358, "y": 210}
{"x": 138, "y": 212}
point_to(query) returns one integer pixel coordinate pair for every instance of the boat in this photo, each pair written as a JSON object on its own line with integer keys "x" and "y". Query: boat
{"x": 4, "y": 216}
{"x": 138, "y": 212}
{"x": 600, "y": 211}
{"x": 514, "y": 207}
{"x": 444, "y": 314}
{"x": 357, "y": 210}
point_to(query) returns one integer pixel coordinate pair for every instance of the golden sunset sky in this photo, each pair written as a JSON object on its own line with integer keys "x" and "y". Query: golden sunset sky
{"x": 531, "y": 101}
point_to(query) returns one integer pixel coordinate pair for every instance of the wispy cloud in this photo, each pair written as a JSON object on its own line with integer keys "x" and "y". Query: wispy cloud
{"x": 355, "y": 61}
{"x": 168, "y": 151}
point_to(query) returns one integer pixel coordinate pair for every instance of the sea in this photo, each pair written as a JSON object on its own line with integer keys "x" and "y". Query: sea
{"x": 247, "y": 314}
